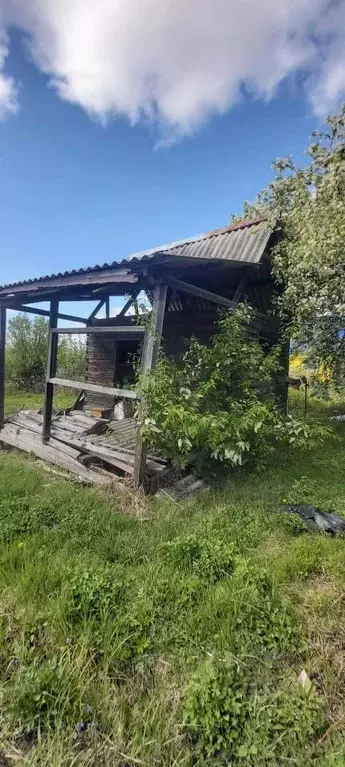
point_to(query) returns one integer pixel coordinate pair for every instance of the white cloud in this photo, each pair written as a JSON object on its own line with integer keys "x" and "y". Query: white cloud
{"x": 176, "y": 62}
{"x": 8, "y": 90}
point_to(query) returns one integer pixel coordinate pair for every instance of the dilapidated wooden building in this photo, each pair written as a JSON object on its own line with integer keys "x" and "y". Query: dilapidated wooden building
{"x": 185, "y": 283}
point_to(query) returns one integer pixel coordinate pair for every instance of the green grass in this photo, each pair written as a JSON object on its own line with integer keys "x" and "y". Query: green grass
{"x": 146, "y": 632}
{"x": 23, "y": 400}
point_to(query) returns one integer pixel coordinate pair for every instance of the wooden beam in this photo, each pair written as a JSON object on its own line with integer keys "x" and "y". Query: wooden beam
{"x": 128, "y": 304}
{"x": 97, "y": 389}
{"x": 2, "y": 363}
{"x": 114, "y": 276}
{"x": 152, "y": 342}
{"x": 45, "y": 313}
{"x": 128, "y": 331}
{"x": 51, "y": 370}
{"x": 97, "y": 309}
{"x": 194, "y": 290}
{"x": 107, "y": 307}
{"x": 240, "y": 290}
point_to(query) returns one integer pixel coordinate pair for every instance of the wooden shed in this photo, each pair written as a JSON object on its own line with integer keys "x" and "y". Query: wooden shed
{"x": 185, "y": 283}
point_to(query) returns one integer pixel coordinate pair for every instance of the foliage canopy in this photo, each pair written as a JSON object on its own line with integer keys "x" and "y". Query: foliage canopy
{"x": 308, "y": 205}
{"x": 218, "y": 403}
{"x": 27, "y": 349}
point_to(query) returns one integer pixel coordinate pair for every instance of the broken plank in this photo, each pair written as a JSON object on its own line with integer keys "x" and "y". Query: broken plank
{"x": 113, "y": 457}
{"x": 20, "y": 438}
{"x": 126, "y": 393}
{"x": 117, "y": 457}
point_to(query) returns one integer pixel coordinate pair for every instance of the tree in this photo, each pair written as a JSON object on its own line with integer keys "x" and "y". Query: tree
{"x": 308, "y": 205}
{"x": 26, "y": 355}
{"x": 27, "y": 349}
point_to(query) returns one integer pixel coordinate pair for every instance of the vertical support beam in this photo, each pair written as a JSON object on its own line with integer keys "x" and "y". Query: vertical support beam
{"x": 107, "y": 307}
{"x": 149, "y": 359}
{"x": 51, "y": 370}
{"x": 2, "y": 363}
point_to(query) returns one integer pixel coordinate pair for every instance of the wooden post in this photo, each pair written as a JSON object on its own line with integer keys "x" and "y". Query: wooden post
{"x": 51, "y": 370}
{"x": 149, "y": 359}
{"x": 2, "y": 363}
{"x": 107, "y": 307}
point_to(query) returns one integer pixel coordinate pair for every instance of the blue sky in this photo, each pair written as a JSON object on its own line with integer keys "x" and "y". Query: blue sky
{"x": 75, "y": 192}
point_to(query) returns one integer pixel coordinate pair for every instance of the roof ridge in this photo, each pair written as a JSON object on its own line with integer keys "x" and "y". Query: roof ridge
{"x": 246, "y": 223}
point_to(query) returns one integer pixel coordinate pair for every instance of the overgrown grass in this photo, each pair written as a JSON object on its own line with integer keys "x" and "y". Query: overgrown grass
{"x": 23, "y": 400}
{"x": 177, "y": 636}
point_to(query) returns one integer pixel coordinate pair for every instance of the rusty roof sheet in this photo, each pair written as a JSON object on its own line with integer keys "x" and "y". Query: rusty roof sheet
{"x": 244, "y": 242}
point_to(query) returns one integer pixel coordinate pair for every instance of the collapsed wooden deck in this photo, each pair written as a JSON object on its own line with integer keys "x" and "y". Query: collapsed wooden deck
{"x": 98, "y": 451}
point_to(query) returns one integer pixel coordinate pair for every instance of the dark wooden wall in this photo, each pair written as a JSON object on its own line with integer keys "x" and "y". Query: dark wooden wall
{"x": 109, "y": 363}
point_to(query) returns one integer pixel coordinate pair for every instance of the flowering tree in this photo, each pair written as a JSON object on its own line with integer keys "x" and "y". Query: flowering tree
{"x": 308, "y": 205}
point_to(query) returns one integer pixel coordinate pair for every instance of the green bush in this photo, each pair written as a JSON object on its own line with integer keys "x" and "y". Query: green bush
{"x": 19, "y": 517}
{"x": 215, "y": 406}
{"x": 92, "y": 592}
{"x": 216, "y": 707}
{"x": 42, "y": 694}
{"x": 234, "y": 718}
{"x": 209, "y": 558}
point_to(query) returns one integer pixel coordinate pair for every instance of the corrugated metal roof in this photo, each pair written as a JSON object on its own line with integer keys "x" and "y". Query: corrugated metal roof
{"x": 244, "y": 242}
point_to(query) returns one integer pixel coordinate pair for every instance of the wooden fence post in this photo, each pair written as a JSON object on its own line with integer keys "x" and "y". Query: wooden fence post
{"x": 151, "y": 347}
{"x": 51, "y": 370}
{"x": 2, "y": 363}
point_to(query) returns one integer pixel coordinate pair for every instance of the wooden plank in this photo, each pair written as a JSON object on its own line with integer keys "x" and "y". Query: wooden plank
{"x": 115, "y": 276}
{"x": 127, "y": 331}
{"x": 116, "y": 458}
{"x": 128, "y": 303}
{"x": 81, "y": 418}
{"x": 125, "y": 393}
{"x": 97, "y": 309}
{"x": 51, "y": 369}
{"x": 52, "y": 452}
{"x": 194, "y": 290}
{"x": 122, "y": 459}
{"x": 240, "y": 290}
{"x": 45, "y": 313}
{"x": 149, "y": 359}
{"x": 2, "y": 363}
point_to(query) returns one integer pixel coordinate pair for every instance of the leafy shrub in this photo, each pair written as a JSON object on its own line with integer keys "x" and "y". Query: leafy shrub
{"x": 233, "y": 718}
{"x": 209, "y": 558}
{"x": 263, "y": 619}
{"x": 216, "y": 707}
{"x": 19, "y": 517}
{"x": 91, "y": 592}
{"x": 294, "y": 524}
{"x": 40, "y": 694}
{"x": 304, "y": 490}
{"x": 217, "y": 404}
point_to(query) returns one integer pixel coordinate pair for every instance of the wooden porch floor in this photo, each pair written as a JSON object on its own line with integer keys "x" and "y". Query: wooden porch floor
{"x": 96, "y": 450}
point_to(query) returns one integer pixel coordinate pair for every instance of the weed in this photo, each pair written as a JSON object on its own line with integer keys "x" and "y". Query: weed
{"x": 210, "y": 559}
